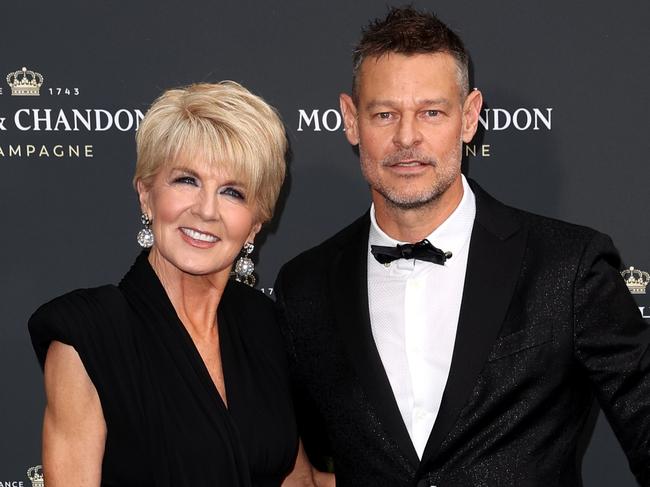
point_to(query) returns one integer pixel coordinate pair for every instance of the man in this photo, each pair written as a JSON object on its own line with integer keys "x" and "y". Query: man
{"x": 474, "y": 362}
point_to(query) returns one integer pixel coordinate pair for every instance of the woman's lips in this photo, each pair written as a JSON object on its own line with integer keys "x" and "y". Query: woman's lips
{"x": 197, "y": 237}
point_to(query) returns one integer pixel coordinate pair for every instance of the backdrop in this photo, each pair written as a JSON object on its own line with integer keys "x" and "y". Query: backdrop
{"x": 563, "y": 133}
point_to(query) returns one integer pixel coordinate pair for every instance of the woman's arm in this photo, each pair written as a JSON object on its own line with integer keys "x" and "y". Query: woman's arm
{"x": 304, "y": 475}
{"x": 74, "y": 430}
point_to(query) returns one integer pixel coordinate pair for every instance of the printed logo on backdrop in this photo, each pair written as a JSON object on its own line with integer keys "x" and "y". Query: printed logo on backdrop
{"x": 34, "y": 474}
{"x": 637, "y": 282}
{"x": 33, "y": 118}
{"x": 25, "y": 83}
{"x": 520, "y": 119}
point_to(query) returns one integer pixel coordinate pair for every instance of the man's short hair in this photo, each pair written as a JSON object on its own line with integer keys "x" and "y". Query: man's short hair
{"x": 223, "y": 125}
{"x": 406, "y": 30}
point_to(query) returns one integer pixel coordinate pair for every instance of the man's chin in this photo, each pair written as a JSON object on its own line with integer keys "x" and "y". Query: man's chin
{"x": 423, "y": 198}
{"x": 411, "y": 203}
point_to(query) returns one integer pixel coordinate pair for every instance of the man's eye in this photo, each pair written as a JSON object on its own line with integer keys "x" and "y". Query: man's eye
{"x": 234, "y": 193}
{"x": 186, "y": 180}
{"x": 383, "y": 115}
{"x": 432, "y": 113}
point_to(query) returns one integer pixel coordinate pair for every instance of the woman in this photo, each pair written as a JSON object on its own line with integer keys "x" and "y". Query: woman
{"x": 177, "y": 376}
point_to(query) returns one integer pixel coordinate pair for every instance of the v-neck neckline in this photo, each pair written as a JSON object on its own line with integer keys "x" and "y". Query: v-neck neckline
{"x": 148, "y": 286}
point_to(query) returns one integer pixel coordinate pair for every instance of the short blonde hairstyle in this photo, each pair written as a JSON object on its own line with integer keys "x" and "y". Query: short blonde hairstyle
{"x": 224, "y": 125}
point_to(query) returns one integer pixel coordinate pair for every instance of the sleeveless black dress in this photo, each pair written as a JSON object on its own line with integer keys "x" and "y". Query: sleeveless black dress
{"x": 166, "y": 423}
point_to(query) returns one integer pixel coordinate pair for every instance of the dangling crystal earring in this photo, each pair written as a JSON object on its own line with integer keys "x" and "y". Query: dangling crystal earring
{"x": 145, "y": 236}
{"x": 244, "y": 267}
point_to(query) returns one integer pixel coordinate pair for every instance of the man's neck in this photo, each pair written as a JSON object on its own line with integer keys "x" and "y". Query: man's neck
{"x": 413, "y": 225}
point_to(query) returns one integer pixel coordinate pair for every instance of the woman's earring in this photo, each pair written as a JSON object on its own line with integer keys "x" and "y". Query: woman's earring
{"x": 145, "y": 236}
{"x": 244, "y": 267}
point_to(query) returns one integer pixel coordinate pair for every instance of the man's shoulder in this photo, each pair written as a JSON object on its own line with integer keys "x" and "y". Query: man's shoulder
{"x": 544, "y": 231}
{"x": 317, "y": 258}
{"x": 503, "y": 219}
{"x": 551, "y": 227}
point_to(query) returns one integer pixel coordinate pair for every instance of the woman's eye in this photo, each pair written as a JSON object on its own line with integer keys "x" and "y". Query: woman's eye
{"x": 234, "y": 193}
{"x": 186, "y": 180}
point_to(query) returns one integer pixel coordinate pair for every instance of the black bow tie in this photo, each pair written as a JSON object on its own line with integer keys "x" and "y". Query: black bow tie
{"x": 422, "y": 250}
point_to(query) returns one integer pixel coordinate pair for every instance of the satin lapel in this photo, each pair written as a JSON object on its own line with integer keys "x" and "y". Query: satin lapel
{"x": 495, "y": 254}
{"x": 349, "y": 289}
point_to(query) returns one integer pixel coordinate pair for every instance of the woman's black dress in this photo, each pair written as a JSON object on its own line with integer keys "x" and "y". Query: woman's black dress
{"x": 166, "y": 423}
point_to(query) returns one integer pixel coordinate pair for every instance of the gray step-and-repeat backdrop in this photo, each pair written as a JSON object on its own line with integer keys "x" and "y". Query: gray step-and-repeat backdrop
{"x": 564, "y": 133}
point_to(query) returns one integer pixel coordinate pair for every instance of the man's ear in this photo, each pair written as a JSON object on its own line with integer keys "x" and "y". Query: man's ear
{"x": 350, "y": 120}
{"x": 471, "y": 112}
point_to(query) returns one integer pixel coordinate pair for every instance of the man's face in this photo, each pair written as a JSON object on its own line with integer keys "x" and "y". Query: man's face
{"x": 410, "y": 121}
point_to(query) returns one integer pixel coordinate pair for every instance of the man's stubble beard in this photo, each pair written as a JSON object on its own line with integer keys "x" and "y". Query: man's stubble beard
{"x": 445, "y": 175}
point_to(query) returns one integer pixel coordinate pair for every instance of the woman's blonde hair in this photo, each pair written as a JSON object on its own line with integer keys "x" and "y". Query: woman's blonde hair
{"x": 223, "y": 125}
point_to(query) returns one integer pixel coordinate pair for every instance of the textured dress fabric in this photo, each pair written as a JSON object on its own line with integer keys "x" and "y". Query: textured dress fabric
{"x": 166, "y": 422}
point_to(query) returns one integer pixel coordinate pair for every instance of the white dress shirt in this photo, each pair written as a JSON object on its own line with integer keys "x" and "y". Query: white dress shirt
{"x": 414, "y": 308}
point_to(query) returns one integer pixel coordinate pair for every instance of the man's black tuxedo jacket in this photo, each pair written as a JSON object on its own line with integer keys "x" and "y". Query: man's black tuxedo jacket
{"x": 546, "y": 325}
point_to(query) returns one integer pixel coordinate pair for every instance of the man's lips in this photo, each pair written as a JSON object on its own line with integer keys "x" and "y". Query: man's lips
{"x": 408, "y": 158}
{"x": 198, "y": 235}
{"x": 411, "y": 166}
{"x": 410, "y": 163}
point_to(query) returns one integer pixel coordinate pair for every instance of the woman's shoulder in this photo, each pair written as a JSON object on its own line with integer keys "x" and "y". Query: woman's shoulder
{"x": 78, "y": 304}
{"x": 243, "y": 294}
{"x": 77, "y": 318}
{"x": 251, "y": 308}
{"x": 251, "y": 316}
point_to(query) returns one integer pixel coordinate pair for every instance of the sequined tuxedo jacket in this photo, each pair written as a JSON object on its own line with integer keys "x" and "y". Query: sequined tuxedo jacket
{"x": 546, "y": 326}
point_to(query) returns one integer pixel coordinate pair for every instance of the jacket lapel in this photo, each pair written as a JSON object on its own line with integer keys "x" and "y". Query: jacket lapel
{"x": 496, "y": 250}
{"x": 349, "y": 289}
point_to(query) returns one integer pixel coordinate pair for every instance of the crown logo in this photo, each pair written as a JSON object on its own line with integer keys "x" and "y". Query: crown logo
{"x": 25, "y": 83}
{"x": 35, "y": 474}
{"x": 636, "y": 280}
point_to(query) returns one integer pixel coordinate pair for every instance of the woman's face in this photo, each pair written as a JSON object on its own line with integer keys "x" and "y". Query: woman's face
{"x": 201, "y": 218}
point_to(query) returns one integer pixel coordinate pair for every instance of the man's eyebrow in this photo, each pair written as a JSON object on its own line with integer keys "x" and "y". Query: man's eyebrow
{"x": 435, "y": 102}
{"x": 371, "y": 105}
{"x": 374, "y": 104}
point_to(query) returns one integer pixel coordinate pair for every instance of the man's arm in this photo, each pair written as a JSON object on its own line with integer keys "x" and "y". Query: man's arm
{"x": 309, "y": 422}
{"x": 74, "y": 430}
{"x": 612, "y": 343}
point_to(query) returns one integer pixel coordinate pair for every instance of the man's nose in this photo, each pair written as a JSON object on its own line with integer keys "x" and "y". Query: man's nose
{"x": 408, "y": 133}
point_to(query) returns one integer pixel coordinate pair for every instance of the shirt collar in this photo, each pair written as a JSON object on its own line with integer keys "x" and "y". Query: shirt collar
{"x": 451, "y": 235}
